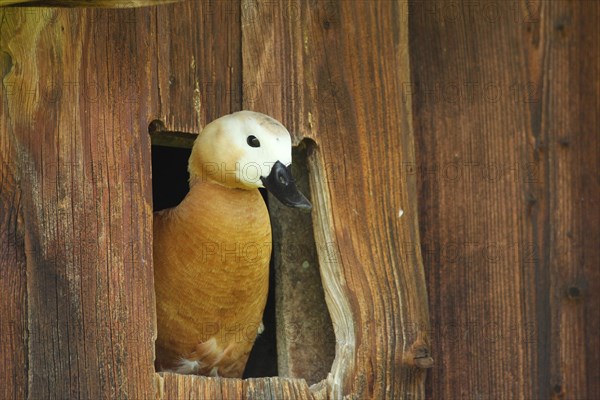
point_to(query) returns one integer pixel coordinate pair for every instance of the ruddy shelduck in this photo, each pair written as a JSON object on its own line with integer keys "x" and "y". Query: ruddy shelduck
{"x": 212, "y": 251}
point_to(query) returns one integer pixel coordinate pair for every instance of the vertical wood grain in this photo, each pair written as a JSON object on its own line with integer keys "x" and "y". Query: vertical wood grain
{"x": 338, "y": 69}
{"x": 569, "y": 148}
{"x": 78, "y": 120}
{"x": 174, "y": 386}
{"x": 13, "y": 300}
{"x": 506, "y": 124}
{"x": 199, "y": 63}
{"x": 508, "y": 154}
{"x": 84, "y": 3}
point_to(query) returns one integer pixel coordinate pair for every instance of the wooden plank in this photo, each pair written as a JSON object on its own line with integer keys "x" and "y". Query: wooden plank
{"x": 340, "y": 66}
{"x": 175, "y": 386}
{"x": 84, "y": 3}
{"x": 69, "y": 151}
{"x": 276, "y": 388}
{"x": 507, "y": 153}
{"x": 78, "y": 121}
{"x": 199, "y": 63}
{"x": 13, "y": 300}
{"x": 161, "y": 137}
{"x": 569, "y": 233}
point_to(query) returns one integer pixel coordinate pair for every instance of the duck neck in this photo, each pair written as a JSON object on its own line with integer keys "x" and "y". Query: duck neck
{"x": 209, "y": 200}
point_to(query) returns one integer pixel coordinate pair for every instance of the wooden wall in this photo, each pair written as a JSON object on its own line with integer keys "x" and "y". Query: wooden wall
{"x": 80, "y": 88}
{"x": 503, "y": 98}
{"x": 77, "y": 284}
{"x": 506, "y": 111}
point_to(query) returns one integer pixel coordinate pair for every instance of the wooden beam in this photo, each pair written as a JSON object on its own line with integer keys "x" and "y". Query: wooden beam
{"x": 74, "y": 124}
{"x": 174, "y": 386}
{"x": 85, "y": 3}
{"x": 161, "y": 137}
{"x": 198, "y": 62}
{"x": 338, "y": 71}
{"x": 508, "y": 161}
{"x": 13, "y": 262}
{"x": 78, "y": 123}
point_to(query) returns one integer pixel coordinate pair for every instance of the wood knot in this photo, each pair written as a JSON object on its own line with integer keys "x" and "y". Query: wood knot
{"x": 6, "y": 63}
{"x": 557, "y": 388}
{"x": 531, "y": 199}
{"x": 156, "y": 126}
{"x": 564, "y": 142}
{"x": 574, "y": 292}
{"x": 419, "y": 356}
{"x": 558, "y": 392}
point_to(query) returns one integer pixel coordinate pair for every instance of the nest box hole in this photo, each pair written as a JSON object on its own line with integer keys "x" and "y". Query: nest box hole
{"x": 298, "y": 339}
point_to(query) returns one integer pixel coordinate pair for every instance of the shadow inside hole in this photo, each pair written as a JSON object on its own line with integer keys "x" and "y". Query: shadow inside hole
{"x": 305, "y": 334}
{"x": 169, "y": 176}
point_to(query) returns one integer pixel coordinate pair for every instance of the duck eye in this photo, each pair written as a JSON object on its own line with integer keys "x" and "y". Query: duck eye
{"x": 253, "y": 141}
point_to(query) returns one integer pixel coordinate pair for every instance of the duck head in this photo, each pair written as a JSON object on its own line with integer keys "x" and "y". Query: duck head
{"x": 247, "y": 150}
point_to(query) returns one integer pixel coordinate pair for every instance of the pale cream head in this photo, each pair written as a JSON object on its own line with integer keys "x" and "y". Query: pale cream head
{"x": 238, "y": 149}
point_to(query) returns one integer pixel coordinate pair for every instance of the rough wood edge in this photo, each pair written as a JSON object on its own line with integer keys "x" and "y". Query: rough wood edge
{"x": 328, "y": 256}
{"x": 175, "y": 386}
{"x": 332, "y": 277}
{"x": 160, "y": 136}
{"x": 85, "y": 3}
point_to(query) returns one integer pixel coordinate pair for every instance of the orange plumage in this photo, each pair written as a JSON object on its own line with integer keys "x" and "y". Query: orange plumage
{"x": 212, "y": 251}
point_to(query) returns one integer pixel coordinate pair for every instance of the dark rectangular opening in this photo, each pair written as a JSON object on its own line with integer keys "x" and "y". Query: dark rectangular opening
{"x": 300, "y": 318}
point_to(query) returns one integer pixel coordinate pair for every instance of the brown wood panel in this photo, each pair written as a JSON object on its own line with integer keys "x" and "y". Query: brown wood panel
{"x": 13, "y": 300}
{"x": 199, "y": 63}
{"x": 276, "y": 388}
{"x": 331, "y": 72}
{"x": 76, "y": 118}
{"x": 506, "y": 125}
{"x": 174, "y": 386}
{"x": 84, "y": 3}
{"x": 570, "y": 136}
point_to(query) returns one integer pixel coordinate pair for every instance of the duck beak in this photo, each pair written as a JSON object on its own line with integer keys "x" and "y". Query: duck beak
{"x": 282, "y": 185}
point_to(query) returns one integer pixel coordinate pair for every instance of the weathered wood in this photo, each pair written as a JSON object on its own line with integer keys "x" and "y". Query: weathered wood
{"x": 276, "y": 388}
{"x": 507, "y": 168}
{"x": 84, "y": 3}
{"x": 339, "y": 69}
{"x": 117, "y": 89}
{"x": 199, "y": 63}
{"x": 81, "y": 163}
{"x": 76, "y": 121}
{"x": 13, "y": 300}
{"x": 161, "y": 137}
{"x": 174, "y": 386}
{"x": 305, "y": 337}
{"x": 506, "y": 109}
